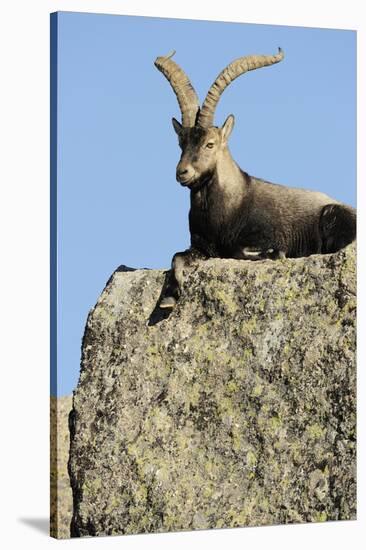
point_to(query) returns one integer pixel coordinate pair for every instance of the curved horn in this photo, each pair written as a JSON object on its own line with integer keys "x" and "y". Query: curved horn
{"x": 232, "y": 71}
{"x": 183, "y": 89}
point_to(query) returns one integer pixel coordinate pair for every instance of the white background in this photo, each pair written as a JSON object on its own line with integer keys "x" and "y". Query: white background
{"x": 24, "y": 231}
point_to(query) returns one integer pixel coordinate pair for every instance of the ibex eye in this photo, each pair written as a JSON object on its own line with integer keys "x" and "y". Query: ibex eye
{"x": 210, "y": 145}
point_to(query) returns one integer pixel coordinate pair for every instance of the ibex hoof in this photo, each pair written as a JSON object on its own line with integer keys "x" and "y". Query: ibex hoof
{"x": 168, "y": 303}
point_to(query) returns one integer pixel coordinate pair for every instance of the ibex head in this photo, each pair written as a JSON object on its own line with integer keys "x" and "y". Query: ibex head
{"x": 201, "y": 142}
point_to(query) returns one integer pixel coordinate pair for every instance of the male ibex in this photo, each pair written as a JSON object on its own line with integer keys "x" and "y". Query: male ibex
{"x": 232, "y": 214}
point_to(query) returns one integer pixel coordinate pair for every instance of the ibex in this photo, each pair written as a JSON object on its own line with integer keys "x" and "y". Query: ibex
{"x": 232, "y": 214}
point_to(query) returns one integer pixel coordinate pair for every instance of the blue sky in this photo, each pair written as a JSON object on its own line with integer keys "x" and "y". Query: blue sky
{"x": 117, "y": 199}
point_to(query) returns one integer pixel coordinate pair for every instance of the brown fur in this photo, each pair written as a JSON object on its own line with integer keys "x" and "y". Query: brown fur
{"x": 234, "y": 215}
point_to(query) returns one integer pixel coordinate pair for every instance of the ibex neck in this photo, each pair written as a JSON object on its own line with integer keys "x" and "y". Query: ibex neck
{"x": 226, "y": 167}
{"x": 225, "y": 189}
{"x": 229, "y": 179}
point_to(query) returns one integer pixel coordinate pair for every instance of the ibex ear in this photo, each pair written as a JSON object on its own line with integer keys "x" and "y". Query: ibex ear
{"x": 177, "y": 126}
{"x": 227, "y": 127}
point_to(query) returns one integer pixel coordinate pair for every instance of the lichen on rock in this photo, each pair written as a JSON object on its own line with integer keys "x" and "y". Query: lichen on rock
{"x": 236, "y": 410}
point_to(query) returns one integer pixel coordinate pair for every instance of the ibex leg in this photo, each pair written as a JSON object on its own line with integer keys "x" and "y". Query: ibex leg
{"x": 180, "y": 261}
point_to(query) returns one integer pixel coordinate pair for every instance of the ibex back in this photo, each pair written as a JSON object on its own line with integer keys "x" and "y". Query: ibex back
{"x": 232, "y": 214}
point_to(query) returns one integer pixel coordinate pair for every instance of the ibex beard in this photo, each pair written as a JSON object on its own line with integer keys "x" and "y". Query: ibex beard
{"x": 233, "y": 214}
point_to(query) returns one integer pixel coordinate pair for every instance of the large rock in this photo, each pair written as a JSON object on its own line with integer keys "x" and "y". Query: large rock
{"x": 238, "y": 409}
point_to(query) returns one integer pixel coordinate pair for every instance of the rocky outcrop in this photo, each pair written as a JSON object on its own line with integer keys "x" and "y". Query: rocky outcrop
{"x": 60, "y": 490}
{"x": 238, "y": 409}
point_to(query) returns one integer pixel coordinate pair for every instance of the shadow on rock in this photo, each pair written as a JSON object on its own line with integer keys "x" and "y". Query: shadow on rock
{"x": 158, "y": 314}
